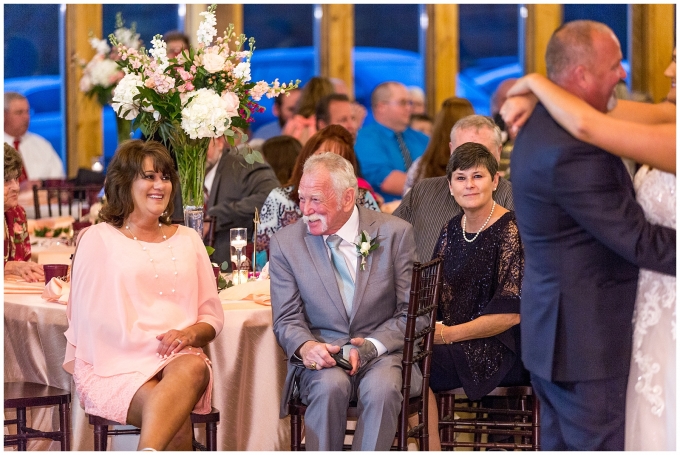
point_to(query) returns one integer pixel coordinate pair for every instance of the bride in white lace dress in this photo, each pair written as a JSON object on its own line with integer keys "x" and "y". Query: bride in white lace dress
{"x": 650, "y": 402}
{"x": 646, "y": 134}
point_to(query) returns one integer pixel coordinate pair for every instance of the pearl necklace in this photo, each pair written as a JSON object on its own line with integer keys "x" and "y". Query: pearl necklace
{"x": 153, "y": 264}
{"x": 488, "y": 218}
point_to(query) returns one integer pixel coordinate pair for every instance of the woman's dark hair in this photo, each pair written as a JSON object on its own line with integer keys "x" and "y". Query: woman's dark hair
{"x": 470, "y": 155}
{"x": 315, "y": 89}
{"x": 128, "y": 164}
{"x": 436, "y": 155}
{"x": 281, "y": 152}
{"x": 13, "y": 163}
{"x": 335, "y": 134}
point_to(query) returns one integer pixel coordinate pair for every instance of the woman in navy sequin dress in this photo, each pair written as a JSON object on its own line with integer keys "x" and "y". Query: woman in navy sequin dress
{"x": 477, "y": 344}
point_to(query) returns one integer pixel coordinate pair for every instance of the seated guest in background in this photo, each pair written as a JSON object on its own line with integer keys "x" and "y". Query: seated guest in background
{"x": 282, "y": 206}
{"x": 283, "y": 110}
{"x": 417, "y": 96}
{"x": 303, "y": 124}
{"x": 477, "y": 346}
{"x": 235, "y": 190}
{"x": 314, "y": 270}
{"x": 17, "y": 244}
{"x": 429, "y": 205}
{"x": 422, "y": 123}
{"x": 40, "y": 160}
{"x": 386, "y": 148}
{"x": 359, "y": 112}
{"x": 281, "y": 152}
{"x": 175, "y": 42}
{"x": 336, "y": 109}
{"x": 434, "y": 160}
{"x": 143, "y": 303}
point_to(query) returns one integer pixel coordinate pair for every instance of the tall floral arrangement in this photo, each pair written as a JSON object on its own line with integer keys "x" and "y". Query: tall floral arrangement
{"x": 205, "y": 92}
{"x": 102, "y": 73}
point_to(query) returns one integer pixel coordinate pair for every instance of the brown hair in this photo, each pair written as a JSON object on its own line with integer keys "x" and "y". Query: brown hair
{"x": 335, "y": 134}
{"x": 315, "y": 89}
{"x": 281, "y": 152}
{"x": 469, "y": 155}
{"x": 13, "y": 163}
{"x": 436, "y": 155}
{"x": 128, "y": 164}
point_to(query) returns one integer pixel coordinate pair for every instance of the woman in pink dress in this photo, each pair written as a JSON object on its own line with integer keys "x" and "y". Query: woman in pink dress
{"x": 143, "y": 303}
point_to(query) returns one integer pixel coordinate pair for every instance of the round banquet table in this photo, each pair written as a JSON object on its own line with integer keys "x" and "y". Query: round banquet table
{"x": 248, "y": 365}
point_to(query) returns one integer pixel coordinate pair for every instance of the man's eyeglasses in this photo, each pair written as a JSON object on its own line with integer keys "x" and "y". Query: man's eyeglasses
{"x": 402, "y": 103}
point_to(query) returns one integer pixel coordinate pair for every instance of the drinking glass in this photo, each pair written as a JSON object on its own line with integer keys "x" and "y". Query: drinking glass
{"x": 238, "y": 241}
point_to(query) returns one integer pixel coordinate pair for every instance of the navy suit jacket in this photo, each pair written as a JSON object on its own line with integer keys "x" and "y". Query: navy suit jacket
{"x": 585, "y": 237}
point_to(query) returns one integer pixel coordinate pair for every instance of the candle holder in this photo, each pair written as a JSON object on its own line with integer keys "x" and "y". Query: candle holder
{"x": 238, "y": 241}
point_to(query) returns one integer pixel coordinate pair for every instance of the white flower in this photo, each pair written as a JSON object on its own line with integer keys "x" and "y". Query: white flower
{"x": 102, "y": 71}
{"x": 207, "y": 114}
{"x": 365, "y": 247}
{"x": 206, "y": 30}
{"x": 213, "y": 62}
{"x": 158, "y": 52}
{"x": 126, "y": 37}
{"x": 123, "y": 96}
{"x": 242, "y": 71}
{"x": 100, "y": 46}
{"x": 86, "y": 83}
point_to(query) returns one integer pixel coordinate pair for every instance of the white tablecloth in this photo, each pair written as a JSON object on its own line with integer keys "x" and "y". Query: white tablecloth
{"x": 248, "y": 365}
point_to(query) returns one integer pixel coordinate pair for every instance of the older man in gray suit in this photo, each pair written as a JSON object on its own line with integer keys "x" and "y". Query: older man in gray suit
{"x": 324, "y": 297}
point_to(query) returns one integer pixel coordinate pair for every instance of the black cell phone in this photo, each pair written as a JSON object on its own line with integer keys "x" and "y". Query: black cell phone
{"x": 341, "y": 362}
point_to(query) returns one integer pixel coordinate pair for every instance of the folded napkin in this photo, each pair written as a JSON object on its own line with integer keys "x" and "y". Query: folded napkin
{"x": 264, "y": 274}
{"x": 257, "y": 291}
{"x": 56, "y": 291}
{"x": 17, "y": 285}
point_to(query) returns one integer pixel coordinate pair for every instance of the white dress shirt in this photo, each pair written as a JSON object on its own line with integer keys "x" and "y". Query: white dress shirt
{"x": 41, "y": 161}
{"x": 348, "y": 233}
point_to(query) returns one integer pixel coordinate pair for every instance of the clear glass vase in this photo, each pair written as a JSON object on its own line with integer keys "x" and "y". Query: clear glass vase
{"x": 191, "y": 156}
{"x": 124, "y": 129}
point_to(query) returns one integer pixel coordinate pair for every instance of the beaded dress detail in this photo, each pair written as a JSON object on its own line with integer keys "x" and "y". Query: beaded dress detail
{"x": 482, "y": 277}
{"x": 650, "y": 401}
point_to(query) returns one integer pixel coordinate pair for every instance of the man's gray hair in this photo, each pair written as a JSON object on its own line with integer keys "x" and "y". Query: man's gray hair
{"x": 478, "y": 122}
{"x": 570, "y": 45}
{"x": 11, "y": 96}
{"x": 340, "y": 170}
{"x": 382, "y": 93}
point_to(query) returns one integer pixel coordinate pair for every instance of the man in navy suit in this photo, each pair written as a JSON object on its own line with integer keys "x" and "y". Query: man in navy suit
{"x": 584, "y": 237}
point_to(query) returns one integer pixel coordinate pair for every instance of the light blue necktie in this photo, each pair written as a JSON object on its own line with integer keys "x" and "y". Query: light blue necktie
{"x": 342, "y": 275}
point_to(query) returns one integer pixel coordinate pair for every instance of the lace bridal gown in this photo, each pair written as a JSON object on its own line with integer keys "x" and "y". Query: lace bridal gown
{"x": 650, "y": 402}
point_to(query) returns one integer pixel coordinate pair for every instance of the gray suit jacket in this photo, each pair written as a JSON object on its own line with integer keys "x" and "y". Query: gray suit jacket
{"x": 429, "y": 206}
{"x": 306, "y": 302}
{"x": 237, "y": 189}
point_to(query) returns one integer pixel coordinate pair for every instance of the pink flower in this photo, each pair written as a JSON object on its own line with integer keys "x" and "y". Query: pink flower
{"x": 232, "y": 103}
{"x": 18, "y": 229}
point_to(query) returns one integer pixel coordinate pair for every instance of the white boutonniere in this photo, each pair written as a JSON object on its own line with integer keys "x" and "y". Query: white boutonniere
{"x": 365, "y": 244}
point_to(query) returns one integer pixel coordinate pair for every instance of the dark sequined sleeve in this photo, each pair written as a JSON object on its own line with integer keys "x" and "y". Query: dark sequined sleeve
{"x": 506, "y": 298}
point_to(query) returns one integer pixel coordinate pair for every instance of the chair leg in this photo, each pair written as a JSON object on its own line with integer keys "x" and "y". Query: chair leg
{"x": 535, "y": 423}
{"x": 65, "y": 426}
{"x": 446, "y": 433}
{"x": 100, "y": 436}
{"x": 295, "y": 432}
{"x": 21, "y": 427}
{"x": 211, "y": 436}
